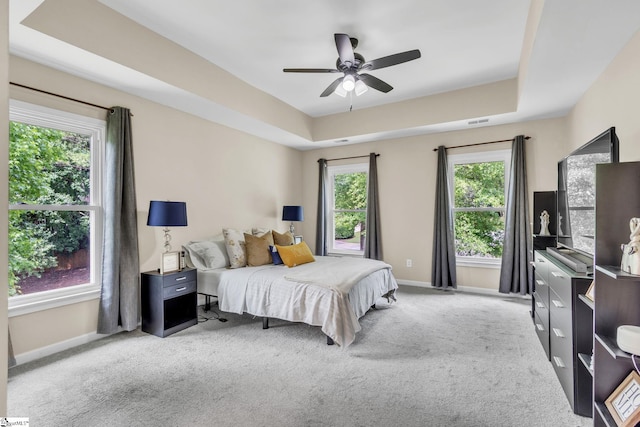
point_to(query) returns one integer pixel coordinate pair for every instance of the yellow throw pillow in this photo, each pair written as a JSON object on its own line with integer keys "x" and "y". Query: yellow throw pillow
{"x": 283, "y": 239}
{"x": 258, "y": 252}
{"x": 293, "y": 255}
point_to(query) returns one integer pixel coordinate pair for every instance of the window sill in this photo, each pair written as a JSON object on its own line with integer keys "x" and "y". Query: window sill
{"x": 491, "y": 263}
{"x": 346, "y": 254}
{"x": 26, "y": 304}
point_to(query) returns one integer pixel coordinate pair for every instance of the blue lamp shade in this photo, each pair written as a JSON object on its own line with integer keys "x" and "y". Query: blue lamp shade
{"x": 167, "y": 214}
{"x": 292, "y": 213}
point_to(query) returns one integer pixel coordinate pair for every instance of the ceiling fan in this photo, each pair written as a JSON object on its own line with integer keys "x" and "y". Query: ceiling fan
{"x": 353, "y": 64}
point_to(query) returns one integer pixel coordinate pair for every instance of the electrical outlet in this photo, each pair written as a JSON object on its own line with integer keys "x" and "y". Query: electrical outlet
{"x": 409, "y": 263}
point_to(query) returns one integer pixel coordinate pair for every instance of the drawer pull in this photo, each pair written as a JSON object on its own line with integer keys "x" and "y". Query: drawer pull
{"x": 180, "y": 279}
{"x": 540, "y": 282}
{"x": 559, "y": 363}
{"x": 557, "y": 303}
{"x": 558, "y": 333}
{"x": 540, "y": 305}
{"x": 540, "y": 327}
{"x": 556, "y": 274}
{"x": 184, "y": 288}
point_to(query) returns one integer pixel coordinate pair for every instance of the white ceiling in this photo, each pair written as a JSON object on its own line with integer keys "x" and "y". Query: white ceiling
{"x": 463, "y": 43}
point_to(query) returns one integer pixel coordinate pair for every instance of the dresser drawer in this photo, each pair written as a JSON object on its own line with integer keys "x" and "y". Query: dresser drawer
{"x": 560, "y": 283}
{"x": 561, "y": 356}
{"x": 179, "y": 278}
{"x": 542, "y": 330}
{"x": 542, "y": 288}
{"x": 560, "y": 312}
{"x": 542, "y": 266}
{"x": 541, "y": 306}
{"x": 179, "y": 289}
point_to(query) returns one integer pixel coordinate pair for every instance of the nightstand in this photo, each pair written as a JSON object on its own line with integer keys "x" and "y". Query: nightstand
{"x": 169, "y": 301}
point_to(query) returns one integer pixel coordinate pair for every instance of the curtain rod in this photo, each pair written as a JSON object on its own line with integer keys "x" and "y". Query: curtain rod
{"x": 479, "y": 143}
{"x": 60, "y": 96}
{"x": 346, "y": 158}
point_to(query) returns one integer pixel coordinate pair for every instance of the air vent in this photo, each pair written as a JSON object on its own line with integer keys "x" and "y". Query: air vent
{"x": 476, "y": 122}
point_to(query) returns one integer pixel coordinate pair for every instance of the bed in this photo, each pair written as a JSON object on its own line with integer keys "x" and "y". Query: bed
{"x": 331, "y": 292}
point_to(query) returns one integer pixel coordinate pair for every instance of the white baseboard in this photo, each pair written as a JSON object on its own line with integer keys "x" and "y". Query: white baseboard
{"x": 41, "y": 352}
{"x": 467, "y": 289}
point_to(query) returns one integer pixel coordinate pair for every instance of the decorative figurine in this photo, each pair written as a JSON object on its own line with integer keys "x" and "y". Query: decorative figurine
{"x": 544, "y": 223}
{"x": 631, "y": 251}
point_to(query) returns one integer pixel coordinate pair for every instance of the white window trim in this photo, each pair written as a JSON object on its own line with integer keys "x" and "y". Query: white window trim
{"x": 331, "y": 172}
{"x": 56, "y": 119}
{"x": 480, "y": 157}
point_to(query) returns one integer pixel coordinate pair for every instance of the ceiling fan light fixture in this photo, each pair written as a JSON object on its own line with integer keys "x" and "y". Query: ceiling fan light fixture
{"x": 340, "y": 91}
{"x": 360, "y": 88}
{"x": 348, "y": 83}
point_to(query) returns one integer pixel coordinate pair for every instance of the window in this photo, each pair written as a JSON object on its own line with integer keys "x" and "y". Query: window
{"x": 346, "y": 222}
{"x": 55, "y": 212}
{"x": 479, "y": 183}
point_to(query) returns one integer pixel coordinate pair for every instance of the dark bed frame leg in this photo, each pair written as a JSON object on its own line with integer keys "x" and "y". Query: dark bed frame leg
{"x": 265, "y": 323}
{"x": 329, "y": 340}
{"x": 207, "y": 303}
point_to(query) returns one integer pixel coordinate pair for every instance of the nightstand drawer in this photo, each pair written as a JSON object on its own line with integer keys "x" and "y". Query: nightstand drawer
{"x": 542, "y": 266}
{"x": 180, "y": 277}
{"x": 179, "y": 289}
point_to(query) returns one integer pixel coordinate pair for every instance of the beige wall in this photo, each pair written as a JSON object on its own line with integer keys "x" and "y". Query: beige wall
{"x": 4, "y": 196}
{"x": 612, "y": 101}
{"x": 406, "y": 179}
{"x": 226, "y": 177}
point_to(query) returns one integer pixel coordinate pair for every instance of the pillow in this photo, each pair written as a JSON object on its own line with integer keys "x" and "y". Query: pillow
{"x": 258, "y": 252}
{"x": 207, "y": 254}
{"x": 282, "y": 239}
{"x": 235, "y": 245}
{"x": 293, "y": 255}
{"x": 259, "y": 231}
{"x": 266, "y": 235}
{"x": 275, "y": 255}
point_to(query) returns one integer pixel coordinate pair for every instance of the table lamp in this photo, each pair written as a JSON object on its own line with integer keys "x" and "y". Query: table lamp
{"x": 167, "y": 214}
{"x": 292, "y": 213}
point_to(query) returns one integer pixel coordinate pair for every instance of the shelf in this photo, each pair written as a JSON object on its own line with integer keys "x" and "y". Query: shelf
{"x": 615, "y": 273}
{"x": 586, "y": 361}
{"x": 611, "y": 346}
{"x": 601, "y": 408}
{"x": 586, "y": 300}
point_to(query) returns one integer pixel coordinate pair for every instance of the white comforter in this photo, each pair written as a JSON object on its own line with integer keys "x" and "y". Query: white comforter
{"x": 332, "y": 293}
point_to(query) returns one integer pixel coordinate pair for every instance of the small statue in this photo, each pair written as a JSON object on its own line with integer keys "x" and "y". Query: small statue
{"x": 631, "y": 251}
{"x": 544, "y": 223}
{"x": 560, "y": 233}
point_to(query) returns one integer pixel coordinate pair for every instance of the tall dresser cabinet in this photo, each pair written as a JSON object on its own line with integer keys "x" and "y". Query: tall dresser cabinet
{"x": 617, "y": 294}
{"x": 564, "y": 326}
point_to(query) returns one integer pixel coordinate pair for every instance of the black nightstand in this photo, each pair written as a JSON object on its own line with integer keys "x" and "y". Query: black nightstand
{"x": 169, "y": 301}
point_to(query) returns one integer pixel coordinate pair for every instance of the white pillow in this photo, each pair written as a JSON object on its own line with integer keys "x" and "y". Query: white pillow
{"x": 207, "y": 254}
{"x": 236, "y": 247}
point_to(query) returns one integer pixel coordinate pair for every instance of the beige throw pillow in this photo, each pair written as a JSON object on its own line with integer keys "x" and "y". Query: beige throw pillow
{"x": 258, "y": 252}
{"x": 283, "y": 239}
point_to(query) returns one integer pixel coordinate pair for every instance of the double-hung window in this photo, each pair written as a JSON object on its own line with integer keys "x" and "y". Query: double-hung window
{"x": 346, "y": 221}
{"x": 55, "y": 207}
{"x": 478, "y": 183}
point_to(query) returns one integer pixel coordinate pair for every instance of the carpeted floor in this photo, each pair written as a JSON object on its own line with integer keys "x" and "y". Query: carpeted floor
{"x": 431, "y": 359}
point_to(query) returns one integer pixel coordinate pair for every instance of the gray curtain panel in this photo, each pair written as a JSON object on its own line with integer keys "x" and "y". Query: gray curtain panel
{"x": 443, "y": 265}
{"x": 119, "y": 299}
{"x": 373, "y": 240}
{"x": 515, "y": 272}
{"x": 321, "y": 224}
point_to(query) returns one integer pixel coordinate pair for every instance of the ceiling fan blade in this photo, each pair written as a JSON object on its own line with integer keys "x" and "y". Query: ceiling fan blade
{"x": 332, "y": 87}
{"x": 345, "y": 50}
{"x": 390, "y": 60}
{"x": 375, "y": 83}
{"x": 310, "y": 70}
